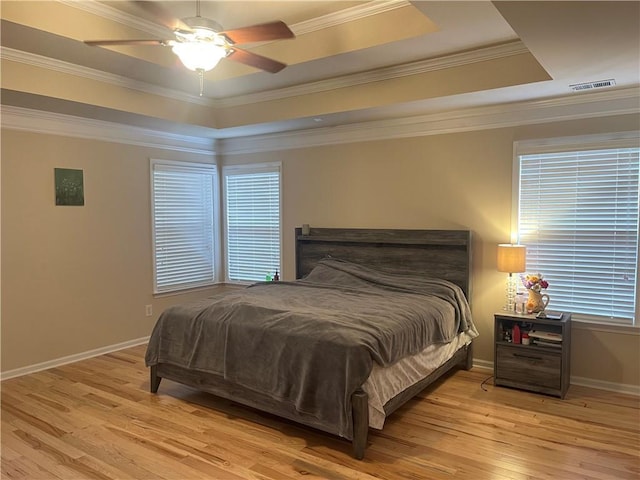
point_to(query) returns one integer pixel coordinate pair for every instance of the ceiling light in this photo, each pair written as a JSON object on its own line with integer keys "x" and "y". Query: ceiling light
{"x": 199, "y": 55}
{"x": 200, "y": 49}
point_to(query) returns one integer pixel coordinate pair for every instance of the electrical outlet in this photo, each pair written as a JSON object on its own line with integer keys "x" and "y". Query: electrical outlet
{"x": 148, "y": 310}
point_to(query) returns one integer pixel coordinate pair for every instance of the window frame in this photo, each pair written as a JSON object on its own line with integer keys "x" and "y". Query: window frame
{"x": 212, "y": 169}
{"x": 248, "y": 168}
{"x": 629, "y": 139}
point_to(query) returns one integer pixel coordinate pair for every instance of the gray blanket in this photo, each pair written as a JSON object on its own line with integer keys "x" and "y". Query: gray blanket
{"x": 312, "y": 342}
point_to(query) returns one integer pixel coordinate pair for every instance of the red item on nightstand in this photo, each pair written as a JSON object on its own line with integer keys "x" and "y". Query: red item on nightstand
{"x": 516, "y": 333}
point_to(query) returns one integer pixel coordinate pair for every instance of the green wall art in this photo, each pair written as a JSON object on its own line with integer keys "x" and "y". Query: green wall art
{"x": 69, "y": 186}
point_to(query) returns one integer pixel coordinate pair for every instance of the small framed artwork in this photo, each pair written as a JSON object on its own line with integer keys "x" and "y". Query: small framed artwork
{"x": 69, "y": 186}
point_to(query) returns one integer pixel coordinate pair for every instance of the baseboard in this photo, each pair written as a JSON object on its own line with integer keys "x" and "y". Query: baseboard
{"x": 610, "y": 386}
{"x": 477, "y": 363}
{"x": 581, "y": 381}
{"x": 482, "y": 364}
{"x": 18, "y": 372}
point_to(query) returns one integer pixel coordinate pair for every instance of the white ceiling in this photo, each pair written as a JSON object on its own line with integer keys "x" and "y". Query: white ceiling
{"x": 338, "y": 45}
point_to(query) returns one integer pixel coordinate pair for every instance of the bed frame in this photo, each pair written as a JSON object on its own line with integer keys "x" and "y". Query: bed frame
{"x": 438, "y": 253}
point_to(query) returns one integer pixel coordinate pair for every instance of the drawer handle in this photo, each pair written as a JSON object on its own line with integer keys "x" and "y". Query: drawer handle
{"x": 527, "y": 356}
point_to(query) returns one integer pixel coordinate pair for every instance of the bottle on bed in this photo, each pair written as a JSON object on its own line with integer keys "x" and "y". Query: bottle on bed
{"x": 276, "y": 277}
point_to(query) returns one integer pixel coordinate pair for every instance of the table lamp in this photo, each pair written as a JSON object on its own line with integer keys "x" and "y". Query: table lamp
{"x": 511, "y": 259}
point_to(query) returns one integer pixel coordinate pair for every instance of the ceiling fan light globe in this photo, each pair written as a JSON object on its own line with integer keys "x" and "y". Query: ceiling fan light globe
{"x": 199, "y": 55}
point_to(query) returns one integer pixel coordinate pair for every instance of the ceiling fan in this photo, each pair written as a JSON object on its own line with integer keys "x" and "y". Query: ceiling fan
{"x": 201, "y": 43}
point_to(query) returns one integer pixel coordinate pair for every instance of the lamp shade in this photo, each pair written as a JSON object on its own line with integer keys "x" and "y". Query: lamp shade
{"x": 199, "y": 55}
{"x": 512, "y": 258}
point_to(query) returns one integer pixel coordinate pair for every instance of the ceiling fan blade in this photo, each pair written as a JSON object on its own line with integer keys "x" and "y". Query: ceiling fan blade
{"x": 126, "y": 42}
{"x": 259, "y": 33}
{"x": 255, "y": 60}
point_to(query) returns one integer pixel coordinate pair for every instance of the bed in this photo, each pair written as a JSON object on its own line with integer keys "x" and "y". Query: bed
{"x": 373, "y": 317}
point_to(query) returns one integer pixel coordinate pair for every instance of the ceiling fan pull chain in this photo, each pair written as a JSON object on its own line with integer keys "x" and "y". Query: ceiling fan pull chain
{"x": 201, "y": 77}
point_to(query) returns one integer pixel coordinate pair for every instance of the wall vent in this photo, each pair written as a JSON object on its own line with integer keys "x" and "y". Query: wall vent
{"x": 578, "y": 87}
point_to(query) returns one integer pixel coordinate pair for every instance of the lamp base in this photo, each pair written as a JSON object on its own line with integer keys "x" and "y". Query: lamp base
{"x": 510, "y": 294}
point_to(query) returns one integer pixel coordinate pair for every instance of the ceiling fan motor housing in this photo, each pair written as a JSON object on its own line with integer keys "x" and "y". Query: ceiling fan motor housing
{"x": 202, "y": 23}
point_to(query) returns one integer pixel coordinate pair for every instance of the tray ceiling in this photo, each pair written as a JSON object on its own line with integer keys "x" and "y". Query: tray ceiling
{"x": 349, "y": 62}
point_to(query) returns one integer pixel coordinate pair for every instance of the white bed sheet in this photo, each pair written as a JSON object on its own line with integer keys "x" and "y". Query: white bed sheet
{"x": 384, "y": 383}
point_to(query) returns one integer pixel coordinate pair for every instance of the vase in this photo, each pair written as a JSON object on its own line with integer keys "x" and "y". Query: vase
{"x": 537, "y": 301}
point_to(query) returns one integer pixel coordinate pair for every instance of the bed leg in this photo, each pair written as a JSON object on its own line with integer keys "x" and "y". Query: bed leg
{"x": 154, "y": 382}
{"x": 469, "y": 360}
{"x": 360, "y": 409}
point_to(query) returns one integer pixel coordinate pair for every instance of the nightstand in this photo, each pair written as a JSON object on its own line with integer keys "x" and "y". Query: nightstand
{"x": 543, "y": 366}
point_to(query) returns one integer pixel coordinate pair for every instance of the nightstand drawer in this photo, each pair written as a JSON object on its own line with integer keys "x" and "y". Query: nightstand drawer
{"x": 529, "y": 366}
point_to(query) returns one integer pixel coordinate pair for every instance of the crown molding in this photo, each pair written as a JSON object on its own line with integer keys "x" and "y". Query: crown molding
{"x": 573, "y": 107}
{"x": 325, "y": 21}
{"x": 347, "y": 15}
{"x": 381, "y": 74}
{"x": 68, "y": 68}
{"x": 115, "y": 15}
{"x": 387, "y": 73}
{"x": 36, "y": 121}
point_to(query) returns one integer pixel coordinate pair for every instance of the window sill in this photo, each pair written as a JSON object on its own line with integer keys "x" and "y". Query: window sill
{"x": 239, "y": 283}
{"x": 213, "y": 287}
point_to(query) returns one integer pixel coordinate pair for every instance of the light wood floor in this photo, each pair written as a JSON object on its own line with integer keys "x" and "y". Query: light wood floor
{"x": 97, "y": 419}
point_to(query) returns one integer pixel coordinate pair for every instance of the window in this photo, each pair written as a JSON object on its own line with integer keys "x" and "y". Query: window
{"x": 252, "y": 212}
{"x": 183, "y": 225}
{"x": 578, "y": 217}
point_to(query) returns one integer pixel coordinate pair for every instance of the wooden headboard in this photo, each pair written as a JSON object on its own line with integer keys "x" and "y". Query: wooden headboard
{"x": 436, "y": 253}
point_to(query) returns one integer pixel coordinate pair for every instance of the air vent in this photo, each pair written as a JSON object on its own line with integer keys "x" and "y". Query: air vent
{"x": 578, "y": 87}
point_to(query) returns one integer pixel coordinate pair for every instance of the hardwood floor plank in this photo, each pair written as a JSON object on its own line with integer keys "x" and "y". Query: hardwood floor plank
{"x": 141, "y": 455}
{"x": 96, "y": 419}
{"x": 57, "y": 465}
{"x": 97, "y": 445}
{"x": 9, "y": 410}
{"x": 553, "y": 438}
{"x": 23, "y": 468}
{"x": 208, "y": 470}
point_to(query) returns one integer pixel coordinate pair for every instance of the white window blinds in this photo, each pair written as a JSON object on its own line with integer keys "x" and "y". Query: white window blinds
{"x": 183, "y": 225}
{"x": 578, "y": 217}
{"x": 252, "y": 206}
